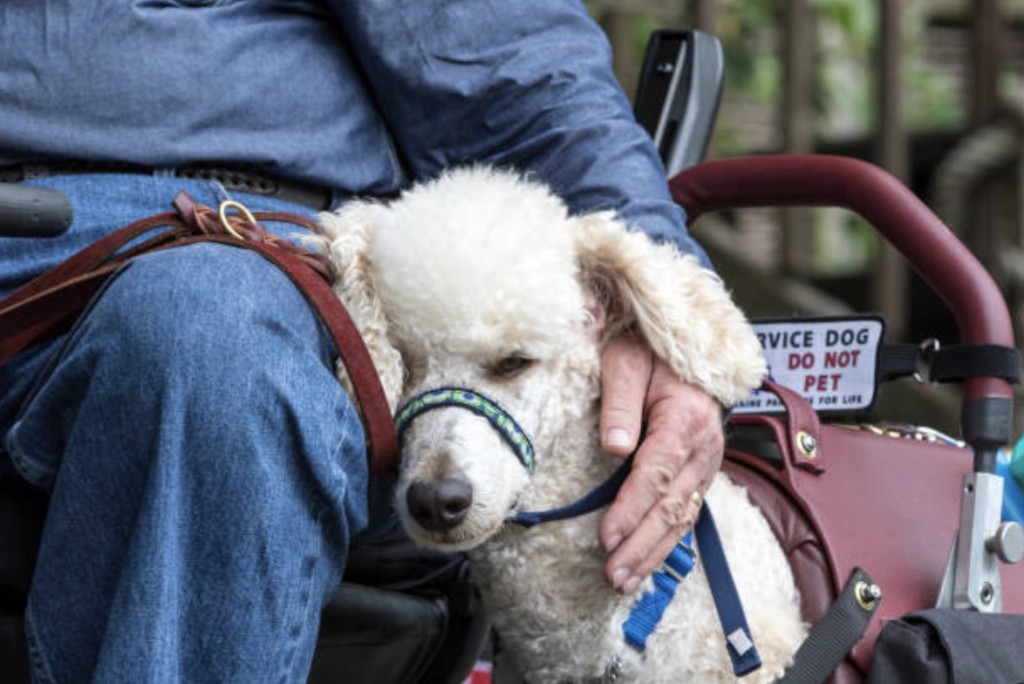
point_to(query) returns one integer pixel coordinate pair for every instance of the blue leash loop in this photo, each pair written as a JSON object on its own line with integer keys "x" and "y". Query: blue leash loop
{"x": 649, "y": 609}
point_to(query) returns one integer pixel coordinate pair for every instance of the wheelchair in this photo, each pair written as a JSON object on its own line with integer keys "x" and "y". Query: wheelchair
{"x": 406, "y": 615}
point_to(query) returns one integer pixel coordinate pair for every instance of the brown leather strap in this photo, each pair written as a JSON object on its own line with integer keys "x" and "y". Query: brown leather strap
{"x": 48, "y": 305}
{"x": 804, "y": 429}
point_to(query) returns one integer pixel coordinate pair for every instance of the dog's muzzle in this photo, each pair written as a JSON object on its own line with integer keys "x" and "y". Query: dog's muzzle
{"x": 499, "y": 419}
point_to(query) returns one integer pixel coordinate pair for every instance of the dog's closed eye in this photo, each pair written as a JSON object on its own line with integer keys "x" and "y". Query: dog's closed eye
{"x": 511, "y": 365}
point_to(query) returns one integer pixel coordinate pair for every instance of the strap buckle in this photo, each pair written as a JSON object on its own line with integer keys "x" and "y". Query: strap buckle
{"x": 928, "y": 348}
{"x": 681, "y": 560}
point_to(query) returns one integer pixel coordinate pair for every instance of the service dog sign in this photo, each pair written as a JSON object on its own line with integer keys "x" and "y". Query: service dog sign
{"x": 832, "y": 362}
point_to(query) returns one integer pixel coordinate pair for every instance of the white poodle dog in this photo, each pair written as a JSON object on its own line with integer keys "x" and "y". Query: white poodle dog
{"x": 481, "y": 281}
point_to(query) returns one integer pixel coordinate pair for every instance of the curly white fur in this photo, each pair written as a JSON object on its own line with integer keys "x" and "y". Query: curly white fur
{"x": 482, "y": 279}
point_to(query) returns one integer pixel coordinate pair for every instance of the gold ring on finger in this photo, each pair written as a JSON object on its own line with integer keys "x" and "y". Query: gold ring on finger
{"x": 696, "y": 499}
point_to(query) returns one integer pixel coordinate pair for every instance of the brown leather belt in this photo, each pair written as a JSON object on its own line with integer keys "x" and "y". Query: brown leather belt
{"x": 233, "y": 178}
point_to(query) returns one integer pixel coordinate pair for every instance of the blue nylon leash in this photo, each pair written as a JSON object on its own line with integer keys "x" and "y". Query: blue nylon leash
{"x": 597, "y": 498}
{"x": 649, "y": 609}
{"x": 742, "y": 652}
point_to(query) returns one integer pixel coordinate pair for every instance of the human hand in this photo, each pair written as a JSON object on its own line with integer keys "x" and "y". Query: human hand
{"x": 680, "y": 454}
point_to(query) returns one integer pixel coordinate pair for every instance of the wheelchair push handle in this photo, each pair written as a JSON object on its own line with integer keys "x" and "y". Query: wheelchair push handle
{"x": 948, "y": 267}
{"x": 29, "y": 211}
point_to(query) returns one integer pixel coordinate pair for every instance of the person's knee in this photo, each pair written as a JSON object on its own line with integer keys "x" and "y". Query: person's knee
{"x": 205, "y": 308}
{"x": 201, "y": 379}
{"x": 219, "y": 338}
{"x": 217, "y": 347}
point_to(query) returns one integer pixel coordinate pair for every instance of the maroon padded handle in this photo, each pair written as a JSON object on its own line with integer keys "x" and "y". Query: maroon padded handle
{"x": 948, "y": 267}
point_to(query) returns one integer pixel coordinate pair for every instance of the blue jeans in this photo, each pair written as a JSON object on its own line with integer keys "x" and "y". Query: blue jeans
{"x": 206, "y": 469}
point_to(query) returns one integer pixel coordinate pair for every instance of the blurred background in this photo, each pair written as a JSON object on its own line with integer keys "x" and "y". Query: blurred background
{"x": 931, "y": 90}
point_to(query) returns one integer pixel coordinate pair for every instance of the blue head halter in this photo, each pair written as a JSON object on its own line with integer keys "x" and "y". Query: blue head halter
{"x": 443, "y": 397}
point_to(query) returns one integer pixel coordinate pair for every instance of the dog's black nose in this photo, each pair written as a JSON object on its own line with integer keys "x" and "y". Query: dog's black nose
{"x": 439, "y": 505}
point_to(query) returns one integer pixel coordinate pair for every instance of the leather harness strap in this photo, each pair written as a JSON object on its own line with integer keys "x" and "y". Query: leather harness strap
{"x": 48, "y": 306}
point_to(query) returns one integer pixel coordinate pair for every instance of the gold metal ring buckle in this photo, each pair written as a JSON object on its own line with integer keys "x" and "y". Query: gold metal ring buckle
{"x": 222, "y": 211}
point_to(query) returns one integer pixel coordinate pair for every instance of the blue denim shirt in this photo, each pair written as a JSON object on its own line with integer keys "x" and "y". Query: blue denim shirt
{"x": 359, "y": 95}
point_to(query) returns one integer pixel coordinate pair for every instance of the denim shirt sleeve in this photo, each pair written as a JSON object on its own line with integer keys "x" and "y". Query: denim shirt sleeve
{"x": 522, "y": 83}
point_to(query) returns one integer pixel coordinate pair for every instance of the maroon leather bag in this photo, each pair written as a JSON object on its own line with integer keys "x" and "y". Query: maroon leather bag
{"x": 884, "y": 503}
{"x": 837, "y": 497}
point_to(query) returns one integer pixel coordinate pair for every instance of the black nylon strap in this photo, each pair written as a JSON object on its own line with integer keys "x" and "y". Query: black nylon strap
{"x": 832, "y": 638}
{"x": 900, "y": 360}
{"x": 952, "y": 364}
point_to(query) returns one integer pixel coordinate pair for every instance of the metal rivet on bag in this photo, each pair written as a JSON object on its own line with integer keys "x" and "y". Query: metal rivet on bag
{"x": 867, "y": 595}
{"x": 808, "y": 444}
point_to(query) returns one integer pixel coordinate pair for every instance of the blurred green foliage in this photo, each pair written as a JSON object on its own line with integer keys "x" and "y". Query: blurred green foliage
{"x": 846, "y": 36}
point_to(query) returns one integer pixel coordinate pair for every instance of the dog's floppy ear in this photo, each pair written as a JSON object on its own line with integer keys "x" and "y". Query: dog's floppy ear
{"x": 680, "y": 308}
{"x": 348, "y": 234}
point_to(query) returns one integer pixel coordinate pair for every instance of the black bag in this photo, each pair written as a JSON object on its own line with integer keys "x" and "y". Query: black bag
{"x": 945, "y": 646}
{"x": 403, "y": 615}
